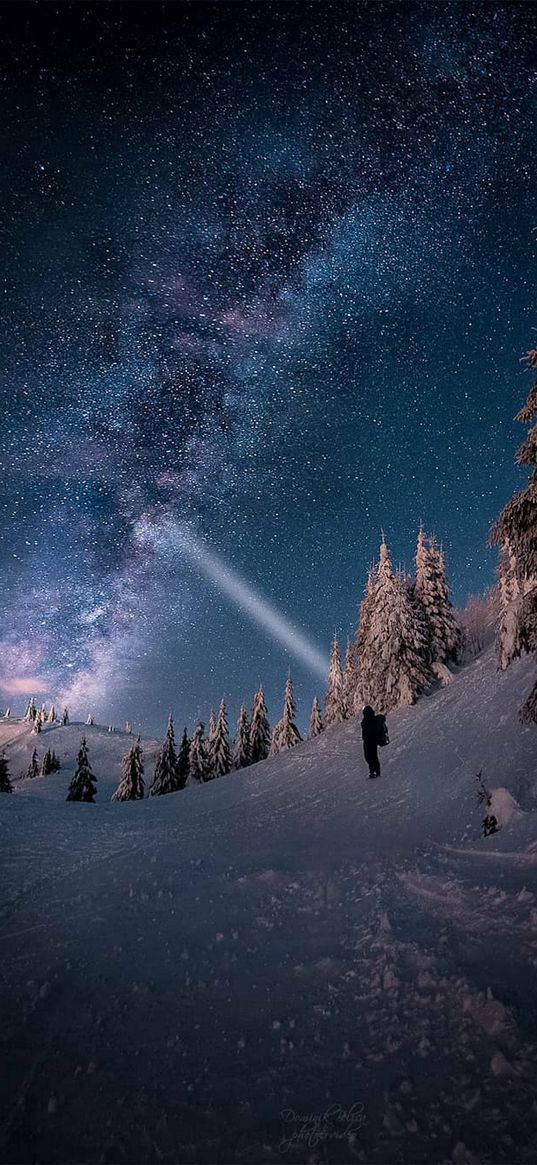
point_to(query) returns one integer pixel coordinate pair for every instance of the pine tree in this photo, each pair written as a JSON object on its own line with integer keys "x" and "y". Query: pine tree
{"x": 241, "y": 747}
{"x": 198, "y": 763}
{"x": 316, "y": 721}
{"x": 183, "y": 761}
{"x": 31, "y": 710}
{"x": 515, "y": 532}
{"x": 393, "y": 659}
{"x": 286, "y": 734}
{"x": 431, "y": 592}
{"x": 89, "y": 720}
{"x": 165, "y": 779}
{"x": 334, "y": 701}
{"x": 361, "y": 656}
{"x": 259, "y": 729}
{"x": 33, "y": 768}
{"x": 7, "y": 713}
{"x": 52, "y": 715}
{"x": 221, "y": 752}
{"x": 209, "y": 744}
{"x": 55, "y": 763}
{"x": 36, "y": 726}
{"x": 131, "y": 785}
{"x": 5, "y": 782}
{"x": 65, "y": 717}
{"x": 47, "y": 764}
{"x": 350, "y": 680}
{"x": 83, "y": 786}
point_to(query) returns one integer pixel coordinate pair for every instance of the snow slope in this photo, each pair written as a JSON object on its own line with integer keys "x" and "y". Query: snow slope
{"x": 291, "y": 964}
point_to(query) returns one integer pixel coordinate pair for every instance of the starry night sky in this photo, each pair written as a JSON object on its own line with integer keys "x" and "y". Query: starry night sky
{"x": 268, "y": 272}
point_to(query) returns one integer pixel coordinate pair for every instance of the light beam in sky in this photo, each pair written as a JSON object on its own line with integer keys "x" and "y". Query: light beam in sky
{"x": 171, "y": 535}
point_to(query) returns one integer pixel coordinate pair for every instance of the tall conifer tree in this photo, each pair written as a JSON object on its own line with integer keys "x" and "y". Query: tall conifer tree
{"x": 199, "y": 766}
{"x": 259, "y": 729}
{"x": 221, "y": 751}
{"x": 515, "y": 532}
{"x": 183, "y": 761}
{"x": 286, "y": 734}
{"x": 334, "y": 701}
{"x": 393, "y": 660}
{"x": 241, "y": 746}
{"x": 165, "y": 776}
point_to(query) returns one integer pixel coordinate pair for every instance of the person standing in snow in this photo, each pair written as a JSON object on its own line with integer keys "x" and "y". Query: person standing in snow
{"x": 370, "y": 739}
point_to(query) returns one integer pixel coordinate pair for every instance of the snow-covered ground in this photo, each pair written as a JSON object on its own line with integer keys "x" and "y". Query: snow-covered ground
{"x": 291, "y": 964}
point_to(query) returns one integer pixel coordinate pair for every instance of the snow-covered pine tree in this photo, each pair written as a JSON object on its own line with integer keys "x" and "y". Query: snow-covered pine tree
{"x": 33, "y": 768}
{"x": 334, "y": 701}
{"x": 362, "y": 657}
{"x": 7, "y": 713}
{"x": 241, "y": 746}
{"x": 165, "y": 779}
{"x": 83, "y": 786}
{"x": 221, "y": 752}
{"x": 198, "y": 763}
{"x": 316, "y": 721}
{"x": 515, "y": 532}
{"x": 55, "y": 763}
{"x": 131, "y": 785}
{"x": 31, "y": 710}
{"x": 183, "y": 761}
{"x": 128, "y": 727}
{"x": 259, "y": 729}
{"x": 286, "y": 734}
{"x": 5, "y": 782}
{"x": 393, "y": 658}
{"x": 37, "y": 724}
{"x": 51, "y": 715}
{"x": 65, "y": 717}
{"x": 89, "y": 720}
{"x": 209, "y": 743}
{"x": 431, "y": 592}
{"x": 46, "y": 764}
{"x": 350, "y": 680}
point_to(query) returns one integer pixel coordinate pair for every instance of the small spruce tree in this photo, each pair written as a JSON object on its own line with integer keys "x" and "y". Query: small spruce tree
{"x": 241, "y": 747}
{"x": 83, "y": 786}
{"x": 198, "y": 763}
{"x": 5, "y": 782}
{"x": 51, "y": 715}
{"x": 33, "y": 768}
{"x": 316, "y": 721}
{"x": 47, "y": 764}
{"x": 286, "y": 734}
{"x": 165, "y": 779}
{"x": 183, "y": 760}
{"x": 131, "y": 785}
{"x": 221, "y": 752}
{"x": 65, "y": 717}
{"x": 259, "y": 729}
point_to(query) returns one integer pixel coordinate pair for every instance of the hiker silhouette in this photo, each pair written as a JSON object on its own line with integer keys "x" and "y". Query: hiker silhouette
{"x": 370, "y": 739}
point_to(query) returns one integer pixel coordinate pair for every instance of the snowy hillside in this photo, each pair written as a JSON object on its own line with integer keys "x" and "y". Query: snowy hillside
{"x": 290, "y": 964}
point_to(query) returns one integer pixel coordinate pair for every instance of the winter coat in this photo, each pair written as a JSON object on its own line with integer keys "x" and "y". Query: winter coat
{"x": 369, "y": 728}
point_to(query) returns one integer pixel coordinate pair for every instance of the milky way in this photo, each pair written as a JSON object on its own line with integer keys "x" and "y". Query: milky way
{"x": 268, "y": 271}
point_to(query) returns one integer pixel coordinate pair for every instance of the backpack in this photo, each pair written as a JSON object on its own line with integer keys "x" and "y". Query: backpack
{"x": 381, "y": 730}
